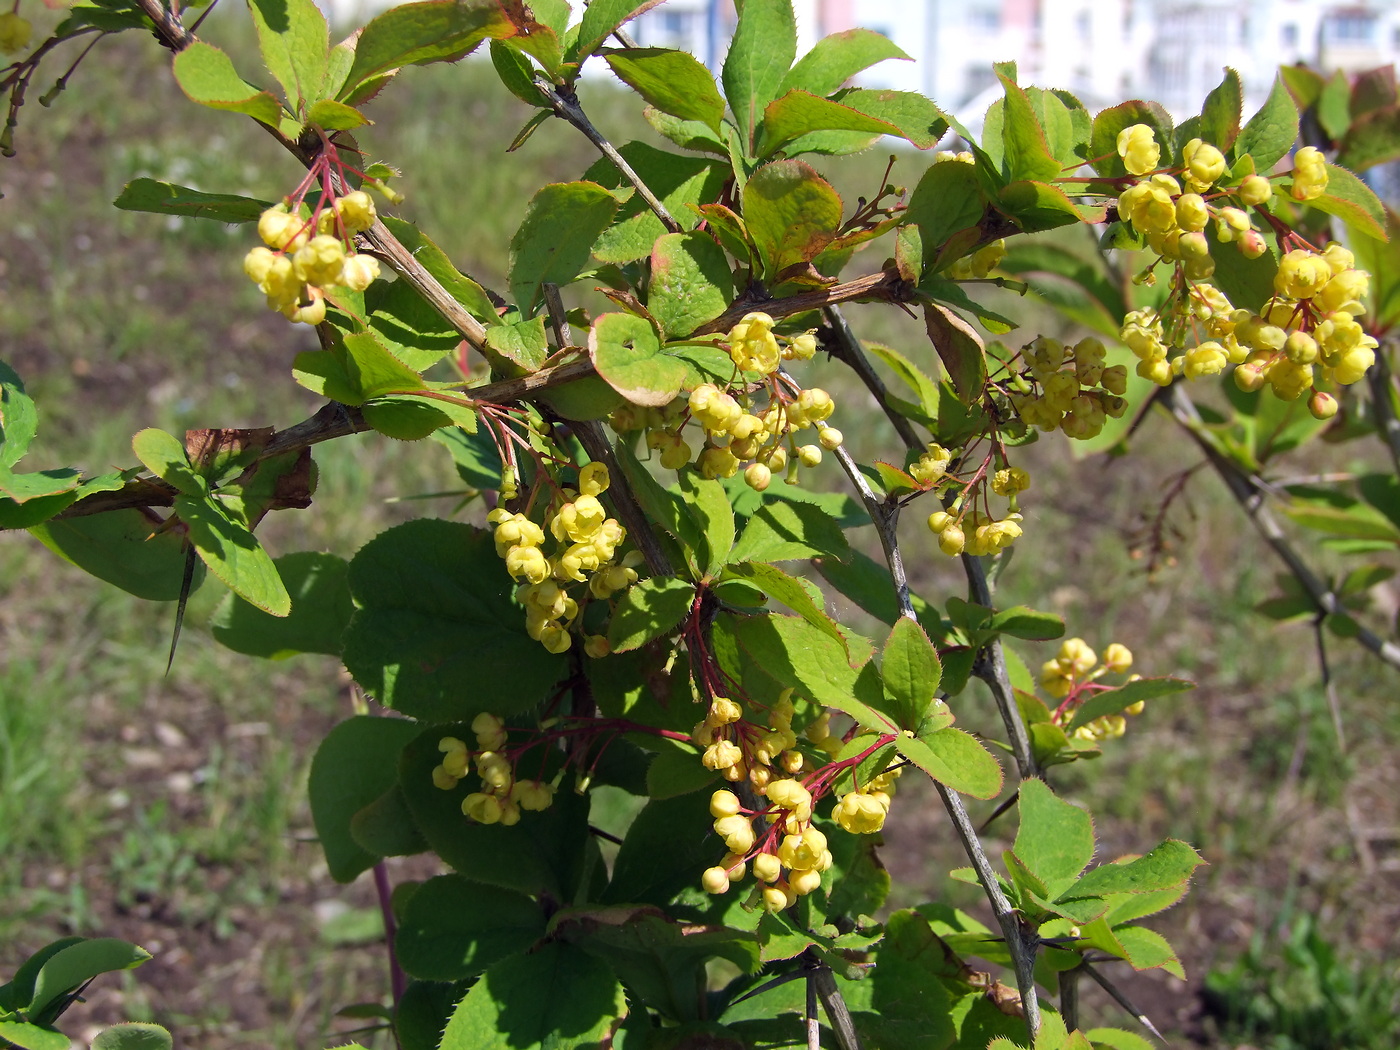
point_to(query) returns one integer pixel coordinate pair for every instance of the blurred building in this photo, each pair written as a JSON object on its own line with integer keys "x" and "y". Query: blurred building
{"x": 1171, "y": 51}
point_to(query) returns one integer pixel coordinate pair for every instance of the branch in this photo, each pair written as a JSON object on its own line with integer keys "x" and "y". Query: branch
{"x": 590, "y": 435}
{"x": 1382, "y": 391}
{"x": 1249, "y": 494}
{"x": 991, "y": 661}
{"x": 1020, "y": 941}
{"x": 886, "y": 286}
{"x": 1121, "y": 999}
{"x": 566, "y": 105}
{"x": 836, "y": 1011}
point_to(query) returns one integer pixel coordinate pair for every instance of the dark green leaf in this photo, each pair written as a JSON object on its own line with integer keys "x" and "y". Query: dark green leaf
{"x": 32, "y": 1037}
{"x": 789, "y": 590}
{"x": 649, "y": 609}
{"x": 600, "y": 18}
{"x": 955, "y": 759}
{"x": 1169, "y": 864}
{"x": 437, "y": 635}
{"x": 356, "y": 763}
{"x": 554, "y": 242}
{"x": 166, "y": 198}
{"x": 453, "y": 929}
{"x": 947, "y": 200}
{"x": 782, "y": 531}
{"x": 1371, "y": 139}
{"x": 918, "y": 118}
{"x": 133, "y": 1035}
{"x": 960, "y": 349}
{"x": 69, "y": 968}
{"x": 799, "y": 113}
{"x": 552, "y": 999}
{"x": 321, "y": 609}
{"x": 691, "y": 283}
{"x": 1352, "y": 201}
{"x": 911, "y": 672}
{"x": 123, "y": 548}
{"x": 1025, "y": 154}
{"x": 710, "y": 507}
{"x": 1112, "y": 701}
{"x": 466, "y": 291}
{"x": 1103, "y": 145}
{"x": 418, "y": 33}
{"x": 665, "y": 850}
{"x": 1220, "y": 116}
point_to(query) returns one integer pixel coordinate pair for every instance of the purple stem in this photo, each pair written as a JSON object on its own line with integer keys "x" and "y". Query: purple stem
{"x": 396, "y": 975}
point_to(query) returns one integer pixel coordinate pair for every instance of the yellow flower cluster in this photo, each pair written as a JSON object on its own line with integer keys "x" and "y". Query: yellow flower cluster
{"x": 743, "y": 752}
{"x": 502, "y": 797}
{"x": 1070, "y": 388}
{"x": 862, "y": 811}
{"x": 792, "y": 869}
{"x": 741, "y": 433}
{"x": 306, "y": 254}
{"x": 1309, "y": 174}
{"x": 1307, "y": 331}
{"x": 1075, "y": 665}
{"x": 980, "y": 263}
{"x": 586, "y": 541}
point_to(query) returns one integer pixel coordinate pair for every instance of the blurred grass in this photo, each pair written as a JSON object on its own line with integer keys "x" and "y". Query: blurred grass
{"x": 172, "y": 809}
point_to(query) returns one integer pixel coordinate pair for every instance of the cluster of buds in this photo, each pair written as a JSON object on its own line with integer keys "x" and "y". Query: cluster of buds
{"x": 586, "y": 544}
{"x": 1073, "y": 668}
{"x": 790, "y": 858}
{"x": 963, "y": 529}
{"x": 748, "y": 426}
{"x": 739, "y": 749}
{"x": 1307, "y": 331}
{"x": 862, "y": 810}
{"x": 502, "y": 796}
{"x": 1069, "y": 388}
{"x": 306, "y": 252}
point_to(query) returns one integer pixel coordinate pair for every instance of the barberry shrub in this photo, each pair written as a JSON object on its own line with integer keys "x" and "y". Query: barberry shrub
{"x": 626, "y": 604}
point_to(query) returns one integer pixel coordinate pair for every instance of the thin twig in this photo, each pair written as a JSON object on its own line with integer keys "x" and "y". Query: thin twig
{"x": 845, "y": 347}
{"x": 1249, "y": 493}
{"x": 565, "y": 104}
{"x": 1020, "y": 941}
{"x": 814, "y": 1027}
{"x": 1069, "y": 998}
{"x": 1122, "y": 1000}
{"x": 1382, "y": 384}
{"x": 836, "y": 1010}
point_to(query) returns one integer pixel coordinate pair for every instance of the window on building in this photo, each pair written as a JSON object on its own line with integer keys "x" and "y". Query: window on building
{"x": 1288, "y": 35}
{"x": 1350, "y": 27}
{"x": 984, "y": 19}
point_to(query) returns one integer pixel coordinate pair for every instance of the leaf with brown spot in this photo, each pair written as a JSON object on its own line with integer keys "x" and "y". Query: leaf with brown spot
{"x": 961, "y": 350}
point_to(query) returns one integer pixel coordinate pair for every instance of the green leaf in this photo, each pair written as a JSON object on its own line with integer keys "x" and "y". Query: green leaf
{"x": 519, "y": 349}
{"x": 661, "y": 506}
{"x": 760, "y": 55}
{"x": 207, "y": 76}
{"x": 166, "y": 198}
{"x": 1118, "y": 1039}
{"x": 19, "y": 420}
{"x": 419, "y": 33}
{"x": 164, "y": 456}
{"x": 1169, "y": 864}
{"x": 16, "y": 994}
{"x": 1055, "y": 839}
{"x": 676, "y": 770}
{"x": 1025, "y": 154}
{"x": 556, "y": 998}
{"x": 437, "y": 635}
{"x": 1112, "y": 701}
{"x": 1271, "y": 132}
{"x": 1247, "y": 283}
{"x": 835, "y": 59}
{"x": 675, "y": 82}
{"x": 124, "y": 548}
{"x": 647, "y": 610}
{"x": 1039, "y": 206}
{"x": 321, "y": 609}
{"x": 947, "y": 200}
{"x": 1371, "y": 139}
{"x": 330, "y": 115}
{"x": 799, "y": 113}
{"x": 687, "y": 134}
{"x": 960, "y": 349}
{"x": 1103, "y": 144}
{"x": 627, "y": 354}
{"x": 554, "y": 242}
{"x": 911, "y": 672}
{"x": 356, "y": 763}
{"x": 600, "y": 19}
{"x": 789, "y": 590}
{"x": 918, "y": 119}
{"x": 791, "y": 212}
{"x": 69, "y": 968}
{"x": 795, "y": 653}
{"x": 385, "y": 827}
{"x": 1220, "y": 116}
{"x": 294, "y": 38}
{"x": 1022, "y": 622}
{"x": 690, "y": 285}
{"x": 910, "y": 987}
{"x": 680, "y": 182}
{"x": 233, "y": 554}
{"x": 1352, "y": 201}
{"x": 659, "y": 960}
{"x": 1147, "y": 949}
{"x": 546, "y": 853}
{"x": 955, "y": 759}
{"x": 783, "y": 531}
{"x": 664, "y": 851}
{"x": 32, "y": 1037}
{"x": 453, "y": 929}
{"x": 133, "y": 1035}
{"x": 709, "y": 505}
